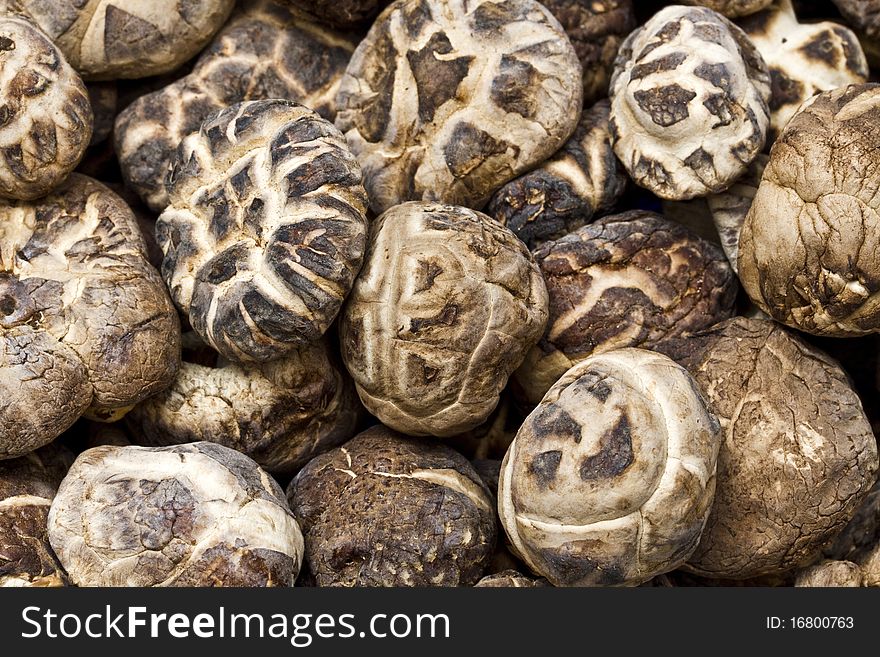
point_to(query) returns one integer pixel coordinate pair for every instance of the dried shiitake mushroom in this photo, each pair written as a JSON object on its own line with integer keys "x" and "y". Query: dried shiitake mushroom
{"x": 688, "y": 103}
{"x": 388, "y": 510}
{"x": 863, "y": 15}
{"x": 584, "y": 178}
{"x": 610, "y": 479}
{"x": 830, "y": 573}
{"x": 27, "y": 486}
{"x": 267, "y": 50}
{"x": 86, "y": 325}
{"x": 510, "y": 579}
{"x": 265, "y": 230}
{"x": 861, "y": 534}
{"x": 344, "y": 13}
{"x": 731, "y": 8}
{"x": 45, "y": 115}
{"x": 630, "y": 280}
{"x": 596, "y": 29}
{"x": 448, "y": 100}
{"x": 104, "y": 99}
{"x": 110, "y": 39}
{"x": 804, "y": 58}
{"x": 798, "y": 454}
{"x": 806, "y": 255}
{"x": 445, "y": 308}
{"x": 188, "y": 515}
{"x": 280, "y": 413}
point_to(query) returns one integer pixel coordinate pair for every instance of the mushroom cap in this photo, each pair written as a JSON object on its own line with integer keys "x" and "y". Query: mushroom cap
{"x": 444, "y": 310}
{"x": 86, "y": 325}
{"x": 281, "y": 413}
{"x": 388, "y": 510}
{"x": 510, "y": 579}
{"x": 582, "y": 179}
{"x": 610, "y": 479}
{"x": 45, "y": 114}
{"x": 688, "y": 103}
{"x": 266, "y": 229}
{"x": 831, "y": 573}
{"x": 803, "y": 58}
{"x": 446, "y": 101}
{"x": 266, "y": 50}
{"x": 802, "y": 255}
{"x": 731, "y": 8}
{"x": 187, "y": 515}
{"x": 798, "y": 455}
{"x": 630, "y": 280}
{"x": 110, "y": 39}
{"x": 863, "y": 15}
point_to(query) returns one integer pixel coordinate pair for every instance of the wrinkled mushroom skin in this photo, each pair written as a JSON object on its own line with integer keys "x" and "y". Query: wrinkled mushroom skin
{"x": 610, "y": 479}
{"x": 280, "y": 413}
{"x": 731, "y": 8}
{"x": 803, "y": 59}
{"x": 111, "y": 39}
{"x": 831, "y": 574}
{"x": 86, "y": 325}
{"x": 510, "y": 579}
{"x": 343, "y": 13}
{"x": 45, "y": 114}
{"x": 802, "y": 254}
{"x": 188, "y": 515}
{"x": 27, "y": 486}
{"x": 629, "y": 280}
{"x": 798, "y": 455}
{"x": 446, "y": 306}
{"x": 267, "y": 50}
{"x": 266, "y": 228}
{"x": 448, "y": 100}
{"x": 688, "y": 103}
{"x": 596, "y": 29}
{"x": 584, "y": 178}
{"x": 861, "y": 534}
{"x": 388, "y": 510}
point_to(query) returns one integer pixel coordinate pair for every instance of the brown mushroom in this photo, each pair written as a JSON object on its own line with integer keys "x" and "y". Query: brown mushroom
{"x": 388, "y": 510}
{"x": 188, "y": 515}
{"x": 731, "y": 8}
{"x": 86, "y": 325}
{"x": 830, "y": 573}
{"x": 510, "y": 579}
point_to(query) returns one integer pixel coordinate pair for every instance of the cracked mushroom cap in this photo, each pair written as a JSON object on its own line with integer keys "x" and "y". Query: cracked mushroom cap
{"x": 731, "y": 8}
{"x": 389, "y": 510}
{"x": 45, "y": 114}
{"x": 188, "y": 515}
{"x": 831, "y": 574}
{"x": 266, "y": 229}
{"x": 610, "y": 479}
{"x": 861, "y": 534}
{"x": 110, "y": 39}
{"x": 688, "y": 103}
{"x": 584, "y": 178}
{"x": 630, "y": 280}
{"x": 86, "y": 325}
{"x": 444, "y": 310}
{"x": 797, "y": 457}
{"x": 342, "y": 13}
{"x": 448, "y": 100}
{"x": 596, "y": 30}
{"x": 27, "y": 486}
{"x": 267, "y": 50}
{"x": 804, "y": 59}
{"x": 806, "y": 252}
{"x": 281, "y": 413}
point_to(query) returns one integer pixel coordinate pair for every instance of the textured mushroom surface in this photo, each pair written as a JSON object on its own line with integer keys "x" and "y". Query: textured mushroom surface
{"x": 730, "y": 207}
{"x": 45, "y": 114}
{"x": 863, "y": 15}
{"x": 596, "y": 29}
{"x": 86, "y": 325}
{"x": 805, "y": 252}
{"x": 629, "y": 280}
{"x": 280, "y": 413}
{"x": 446, "y": 306}
{"x": 830, "y": 574}
{"x": 798, "y": 455}
{"x": 267, "y": 50}
{"x": 188, "y": 515}
{"x": 731, "y": 8}
{"x": 583, "y": 179}
{"x": 448, "y": 100}
{"x": 388, "y": 510}
{"x": 688, "y": 103}
{"x": 510, "y": 579}
{"x": 861, "y": 534}
{"x": 610, "y": 479}
{"x": 804, "y": 59}
{"x": 110, "y": 39}
{"x": 266, "y": 228}
{"x": 344, "y": 13}
{"x": 27, "y": 486}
